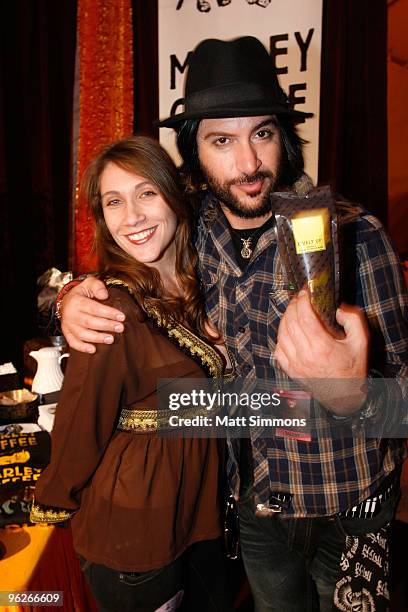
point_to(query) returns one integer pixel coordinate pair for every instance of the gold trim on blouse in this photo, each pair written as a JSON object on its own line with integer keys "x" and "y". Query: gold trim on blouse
{"x": 146, "y": 421}
{"x": 46, "y": 514}
{"x": 186, "y": 339}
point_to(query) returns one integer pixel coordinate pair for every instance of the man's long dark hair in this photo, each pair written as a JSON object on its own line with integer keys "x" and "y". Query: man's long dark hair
{"x": 292, "y": 162}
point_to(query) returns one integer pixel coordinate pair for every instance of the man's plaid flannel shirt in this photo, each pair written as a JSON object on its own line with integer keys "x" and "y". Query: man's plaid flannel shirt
{"x": 324, "y": 476}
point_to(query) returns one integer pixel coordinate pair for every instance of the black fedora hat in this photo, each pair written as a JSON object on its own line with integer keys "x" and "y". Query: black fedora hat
{"x": 233, "y": 78}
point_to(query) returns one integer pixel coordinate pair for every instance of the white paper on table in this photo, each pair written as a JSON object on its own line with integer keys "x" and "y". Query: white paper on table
{"x": 47, "y": 416}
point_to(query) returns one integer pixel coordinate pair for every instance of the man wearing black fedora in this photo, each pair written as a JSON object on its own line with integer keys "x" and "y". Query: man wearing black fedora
{"x": 307, "y": 509}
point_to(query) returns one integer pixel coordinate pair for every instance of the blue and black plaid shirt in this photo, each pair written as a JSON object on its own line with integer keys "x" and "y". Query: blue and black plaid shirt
{"x": 324, "y": 476}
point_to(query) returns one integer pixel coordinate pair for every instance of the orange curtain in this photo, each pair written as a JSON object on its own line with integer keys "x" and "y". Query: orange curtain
{"x": 103, "y": 99}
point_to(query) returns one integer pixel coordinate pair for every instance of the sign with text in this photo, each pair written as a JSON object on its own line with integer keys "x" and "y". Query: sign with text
{"x": 291, "y": 31}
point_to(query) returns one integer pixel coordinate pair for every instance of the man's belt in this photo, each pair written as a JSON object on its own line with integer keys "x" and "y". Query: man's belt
{"x": 371, "y": 506}
{"x": 279, "y": 502}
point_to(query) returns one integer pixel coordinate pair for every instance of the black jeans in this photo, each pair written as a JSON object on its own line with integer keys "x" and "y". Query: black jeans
{"x": 293, "y": 565}
{"x": 195, "y": 582}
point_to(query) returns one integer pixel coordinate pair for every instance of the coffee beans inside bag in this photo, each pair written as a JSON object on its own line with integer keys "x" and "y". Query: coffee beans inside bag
{"x": 308, "y": 245}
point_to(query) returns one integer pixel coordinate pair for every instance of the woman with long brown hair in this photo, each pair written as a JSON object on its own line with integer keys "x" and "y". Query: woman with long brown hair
{"x": 143, "y": 507}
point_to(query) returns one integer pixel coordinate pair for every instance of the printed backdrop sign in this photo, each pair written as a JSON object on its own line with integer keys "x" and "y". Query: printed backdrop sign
{"x": 291, "y": 31}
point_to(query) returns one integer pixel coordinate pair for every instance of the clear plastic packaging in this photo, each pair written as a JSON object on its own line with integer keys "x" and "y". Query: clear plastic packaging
{"x": 308, "y": 245}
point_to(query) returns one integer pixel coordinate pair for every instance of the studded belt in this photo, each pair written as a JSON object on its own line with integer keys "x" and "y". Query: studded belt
{"x": 372, "y": 505}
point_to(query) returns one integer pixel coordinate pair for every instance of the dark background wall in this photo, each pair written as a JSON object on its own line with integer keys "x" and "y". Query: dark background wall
{"x": 397, "y": 88}
{"x": 37, "y": 42}
{"x": 37, "y": 58}
{"x": 353, "y": 102}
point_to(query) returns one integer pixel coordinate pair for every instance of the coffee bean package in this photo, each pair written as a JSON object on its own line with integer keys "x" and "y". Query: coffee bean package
{"x": 308, "y": 245}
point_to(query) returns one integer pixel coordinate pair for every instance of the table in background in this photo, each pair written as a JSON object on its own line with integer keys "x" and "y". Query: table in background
{"x": 42, "y": 558}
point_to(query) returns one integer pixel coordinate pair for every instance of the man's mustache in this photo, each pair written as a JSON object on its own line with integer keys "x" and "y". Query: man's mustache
{"x": 251, "y": 178}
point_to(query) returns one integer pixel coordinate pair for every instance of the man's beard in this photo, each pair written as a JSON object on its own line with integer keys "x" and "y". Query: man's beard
{"x": 223, "y": 192}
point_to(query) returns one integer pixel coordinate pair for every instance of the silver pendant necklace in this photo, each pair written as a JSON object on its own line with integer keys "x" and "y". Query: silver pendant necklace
{"x": 246, "y": 250}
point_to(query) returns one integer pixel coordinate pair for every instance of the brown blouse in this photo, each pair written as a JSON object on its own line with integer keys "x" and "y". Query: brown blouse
{"x": 139, "y": 500}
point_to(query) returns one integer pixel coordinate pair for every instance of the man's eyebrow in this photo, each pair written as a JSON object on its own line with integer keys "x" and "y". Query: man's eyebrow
{"x": 270, "y": 121}
{"x": 217, "y": 133}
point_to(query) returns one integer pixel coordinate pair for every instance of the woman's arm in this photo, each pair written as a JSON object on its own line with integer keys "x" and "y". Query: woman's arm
{"x": 86, "y": 418}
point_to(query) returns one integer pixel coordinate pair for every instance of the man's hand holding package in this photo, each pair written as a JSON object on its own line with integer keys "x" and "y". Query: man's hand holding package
{"x": 306, "y": 350}
{"x": 85, "y": 320}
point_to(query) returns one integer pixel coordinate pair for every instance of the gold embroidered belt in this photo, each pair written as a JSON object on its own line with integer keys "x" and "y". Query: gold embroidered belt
{"x": 146, "y": 421}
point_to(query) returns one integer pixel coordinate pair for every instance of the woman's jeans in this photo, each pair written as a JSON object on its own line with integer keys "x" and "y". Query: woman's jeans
{"x": 293, "y": 565}
{"x": 194, "y": 582}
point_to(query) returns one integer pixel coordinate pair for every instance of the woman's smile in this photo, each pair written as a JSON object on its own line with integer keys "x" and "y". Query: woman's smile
{"x": 143, "y": 236}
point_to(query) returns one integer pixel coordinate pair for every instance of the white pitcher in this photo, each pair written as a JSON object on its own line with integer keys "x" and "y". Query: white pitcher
{"x": 49, "y": 376}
